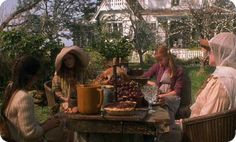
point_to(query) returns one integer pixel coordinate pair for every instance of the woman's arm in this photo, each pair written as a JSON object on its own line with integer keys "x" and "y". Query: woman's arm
{"x": 213, "y": 98}
{"x": 179, "y": 83}
{"x": 56, "y": 88}
{"x": 50, "y": 124}
{"x": 217, "y": 100}
{"x": 151, "y": 71}
{"x": 28, "y": 125}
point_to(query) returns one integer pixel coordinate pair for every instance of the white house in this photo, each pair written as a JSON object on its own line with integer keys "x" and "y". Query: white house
{"x": 117, "y": 14}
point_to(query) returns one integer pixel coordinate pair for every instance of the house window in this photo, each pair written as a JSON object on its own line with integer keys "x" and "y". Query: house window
{"x": 109, "y": 27}
{"x": 175, "y": 2}
{"x": 115, "y": 27}
{"x": 116, "y": 2}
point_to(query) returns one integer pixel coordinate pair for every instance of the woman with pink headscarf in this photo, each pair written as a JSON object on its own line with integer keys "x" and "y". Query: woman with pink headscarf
{"x": 219, "y": 92}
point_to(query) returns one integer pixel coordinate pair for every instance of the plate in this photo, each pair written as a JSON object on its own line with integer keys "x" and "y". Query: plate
{"x": 120, "y": 113}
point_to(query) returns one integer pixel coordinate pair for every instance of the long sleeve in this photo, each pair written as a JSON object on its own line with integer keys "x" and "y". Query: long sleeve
{"x": 56, "y": 83}
{"x": 22, "y": 123}
{"x": 213, "y": 98}
{"x": 28, "y": 125}
{"x": 179, "y": 83}
{"x": 152, "y": 71}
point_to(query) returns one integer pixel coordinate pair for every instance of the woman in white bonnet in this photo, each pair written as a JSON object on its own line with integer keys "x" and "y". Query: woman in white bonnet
{"x": 219, "y": 91}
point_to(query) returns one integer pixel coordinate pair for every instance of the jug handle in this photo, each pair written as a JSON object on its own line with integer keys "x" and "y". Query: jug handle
{"x": 101, "y": 97}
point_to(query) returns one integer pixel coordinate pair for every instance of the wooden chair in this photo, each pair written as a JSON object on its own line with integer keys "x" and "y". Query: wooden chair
{"x": 217, "y": 127}
{"x": 50, "y": 96}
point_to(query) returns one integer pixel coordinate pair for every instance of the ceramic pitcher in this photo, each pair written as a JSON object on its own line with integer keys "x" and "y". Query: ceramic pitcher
{"x": 89, "y": 98}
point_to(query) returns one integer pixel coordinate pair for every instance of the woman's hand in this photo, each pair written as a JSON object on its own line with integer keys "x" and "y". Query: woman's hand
{"x": 50, "y": 124}
{"x": 161, "y": 98}
{"x": 179, "y": 122}
{"x": 151, "y": 83}
{"x": 60, "y": 96}
{"x": 71, "y": 110}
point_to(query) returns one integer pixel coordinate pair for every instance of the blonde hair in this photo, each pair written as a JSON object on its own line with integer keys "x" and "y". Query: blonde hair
{"x": 163, "y": 50}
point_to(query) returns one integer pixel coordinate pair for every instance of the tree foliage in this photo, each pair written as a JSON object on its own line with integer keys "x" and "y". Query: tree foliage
{"x": 26, "y": 6}
{"x": 144, "y": 38}
{"x": 16, "y": 43}
{"x": 204, "y": 22}
{"x": 111, "y": 45}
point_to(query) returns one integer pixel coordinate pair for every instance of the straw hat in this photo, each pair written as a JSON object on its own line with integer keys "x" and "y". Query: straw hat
{"x": 204, "y": 43}
{"x": 79, "y": 52}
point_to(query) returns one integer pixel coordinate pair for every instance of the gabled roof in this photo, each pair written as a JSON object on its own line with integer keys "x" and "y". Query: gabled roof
{"x": 159, "y": 8}
{"x": 129, "y": 5}
{"x": 105, "y": 6}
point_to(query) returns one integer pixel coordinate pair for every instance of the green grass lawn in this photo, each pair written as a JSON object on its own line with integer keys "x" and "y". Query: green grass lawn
{"x": 197, "y": 79}
{"x": 42, "y": 113}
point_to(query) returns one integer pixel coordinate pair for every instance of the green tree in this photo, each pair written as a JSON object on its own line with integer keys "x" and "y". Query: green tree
{"x": 111, "y": 45}
{"x": 16, "y": 43}
{"x": 83, "y": 34}
{"x": 24, "y": 6}
{"x": 144, "y": 38}
{"x": 211, "y": 20}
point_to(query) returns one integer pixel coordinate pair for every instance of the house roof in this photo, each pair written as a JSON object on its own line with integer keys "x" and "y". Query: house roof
{"x": 152, "y": 8}
{"x": 128, "y": 5}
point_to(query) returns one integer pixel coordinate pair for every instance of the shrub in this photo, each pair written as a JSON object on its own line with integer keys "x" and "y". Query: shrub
{"x": 96, "y": 64}
{"x": 149, "y": 59}
{"x": 189, "y": 62}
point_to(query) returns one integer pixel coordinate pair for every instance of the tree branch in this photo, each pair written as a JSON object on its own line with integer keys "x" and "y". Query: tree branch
{"x": 18, "y": 12}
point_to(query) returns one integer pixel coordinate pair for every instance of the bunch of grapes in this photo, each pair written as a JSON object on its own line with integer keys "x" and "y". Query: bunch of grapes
{"x": 126, "y": 90}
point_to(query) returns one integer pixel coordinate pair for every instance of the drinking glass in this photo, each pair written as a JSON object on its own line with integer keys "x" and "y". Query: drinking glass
{"x": 150, "y": 95}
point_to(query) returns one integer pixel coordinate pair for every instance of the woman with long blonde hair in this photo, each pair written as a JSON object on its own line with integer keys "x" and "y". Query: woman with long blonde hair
{"x": 169, "y": 79}
{"x": 170, "y": 83}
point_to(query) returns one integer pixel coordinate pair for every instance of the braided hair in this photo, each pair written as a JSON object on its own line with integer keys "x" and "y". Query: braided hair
{"x": 23, "y": 70}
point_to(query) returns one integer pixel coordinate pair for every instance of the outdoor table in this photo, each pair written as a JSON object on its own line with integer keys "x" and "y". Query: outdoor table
{"x": 141, "y": 123}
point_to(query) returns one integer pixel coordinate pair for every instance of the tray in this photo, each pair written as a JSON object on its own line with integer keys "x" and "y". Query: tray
{"x": 137, "y": 115}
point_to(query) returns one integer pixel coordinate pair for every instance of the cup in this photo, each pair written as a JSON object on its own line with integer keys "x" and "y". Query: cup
{"x": 108, "y": 94}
